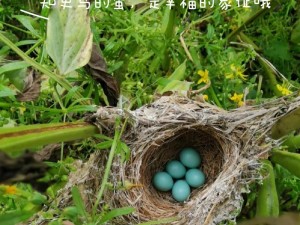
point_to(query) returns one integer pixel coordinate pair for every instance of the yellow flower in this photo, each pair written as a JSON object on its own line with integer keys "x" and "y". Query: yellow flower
{"x": 236, "y": 72}
{"x": 205, "y": 97}
{"x": 22, "y": 110}
{"x": 10, "y": 189}
{"x": 238, "y": 99}
{"x": 204, "y": 76}
{"x": 233, "y": 27}
{"x": 283, "y": 89}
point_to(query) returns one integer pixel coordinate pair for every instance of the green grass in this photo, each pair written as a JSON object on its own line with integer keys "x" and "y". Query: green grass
{"x": 230, "y": 54}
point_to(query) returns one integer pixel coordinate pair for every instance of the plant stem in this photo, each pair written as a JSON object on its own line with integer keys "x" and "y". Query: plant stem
{"x": 269, "y": 74}
{"x": 19, "y": 29}
{"x": 34, "y": 46}
{"x": 116, "y": 140}
{"x": 16, "y": 139}
{"x": 214, "y": 96}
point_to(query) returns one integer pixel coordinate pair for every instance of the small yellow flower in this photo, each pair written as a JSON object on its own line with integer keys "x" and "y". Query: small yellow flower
{"x": 10, "y": 190}
{"x": 283, "y": 89}
{"x": 233, "y": 27}
{"x": 204, "y": 76}
{"x": 238, "y": 99}
{"x": 22, "y": 110}
{"x": 236, "y": 72}
{"x": 205, "y": 97}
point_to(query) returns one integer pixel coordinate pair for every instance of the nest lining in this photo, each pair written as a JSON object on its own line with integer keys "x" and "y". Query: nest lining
{"x": 156, "y": 156}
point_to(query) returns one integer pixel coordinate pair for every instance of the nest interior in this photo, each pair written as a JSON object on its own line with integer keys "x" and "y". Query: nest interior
{"x": 151, "y": 155}
{"x": 200, "y": 138}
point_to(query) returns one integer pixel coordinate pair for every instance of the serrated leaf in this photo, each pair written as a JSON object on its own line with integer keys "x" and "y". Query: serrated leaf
{"x": 69, "y": 37}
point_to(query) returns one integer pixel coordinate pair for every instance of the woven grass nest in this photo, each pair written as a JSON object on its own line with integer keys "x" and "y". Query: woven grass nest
{"x": 230, "y": 144}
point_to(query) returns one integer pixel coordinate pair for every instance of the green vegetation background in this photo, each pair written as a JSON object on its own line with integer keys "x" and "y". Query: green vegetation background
{"x": 237, "y": 56}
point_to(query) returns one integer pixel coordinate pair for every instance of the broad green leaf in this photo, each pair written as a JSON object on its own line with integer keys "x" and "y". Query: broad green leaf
{"x": 16, "y": 73}
{"x": 17, "y": 78}
{"x": 105, "y": 144}
{"x": 286, "y": 124}
{"x": 177, "y": 85}
{"x": 289, "y": 160}
{"x": 174, "y": 82}
{"x": 29, "y": 23}
{"x": 78, "y": 201}
{"x": 69, "y": 37}
{"x": 83, "y": 108}
{"x": 15, "y": 217}
{"x": 267, "y": 203}
{"x": 14, "y": 140}
{"x": 6, "y": 92}
{"x": 13, "y": 66}
{"x": 179, "y": 73}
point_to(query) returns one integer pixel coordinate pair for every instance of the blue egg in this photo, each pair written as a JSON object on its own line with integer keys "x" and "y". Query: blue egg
{"x": 195, "y": 178}
{"x": 162, "y": 181}
{"x": 181, "y": 191}
{"x": 175, "y": 169}
{"x": 190, "y": 157}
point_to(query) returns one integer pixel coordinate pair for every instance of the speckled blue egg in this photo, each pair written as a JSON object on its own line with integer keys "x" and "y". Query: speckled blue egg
{"x": 162, "y": 181}
{"x": 190, "y": 158}
{"x": 175, "y": 169}
{"x": 195, "y": 178}
{"x": 181, "y": 191}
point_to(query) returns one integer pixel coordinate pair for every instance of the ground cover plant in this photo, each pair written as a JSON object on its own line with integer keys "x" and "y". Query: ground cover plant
{"x": 52, "y": 74}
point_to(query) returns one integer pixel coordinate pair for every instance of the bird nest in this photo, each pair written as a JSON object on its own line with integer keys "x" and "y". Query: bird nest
{"x": 230, "y": 145}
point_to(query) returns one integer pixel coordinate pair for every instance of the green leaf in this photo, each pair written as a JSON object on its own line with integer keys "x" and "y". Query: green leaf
{"x": 13, "y": 66}
{"x": 177, "y": 85}
{"x": 115, "y": 213}
{"x": 286, "y": 124}
{"x": 29, "y": 23}
{"x": 179, "y": 73}
{"x": 83, "y": 108}
{"x": 289, "y": 160}
{"x": 14, "y": 140}
{"x": 17, "y": 78}
{"x": 6, "y": 92}
{"x": 105, "y": 145}
{"x": 295, "y": 36}
{"x": 174, "y": 82}
{"x": 78, "y": 202}
{"x": 267, "y": 203}
{"x": 69, "y": 37}
{"x": 15, "y": 217}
